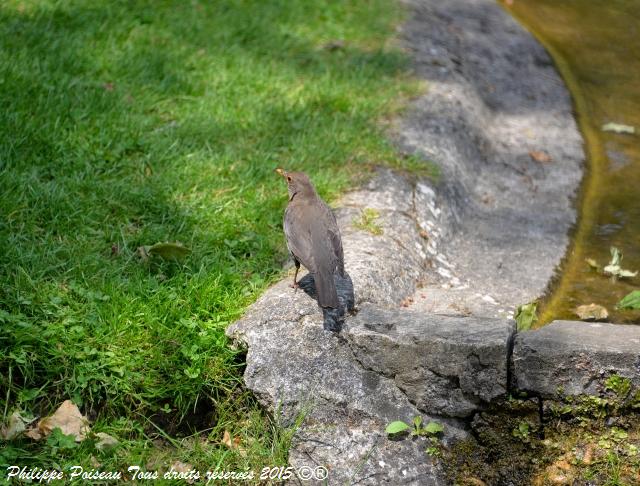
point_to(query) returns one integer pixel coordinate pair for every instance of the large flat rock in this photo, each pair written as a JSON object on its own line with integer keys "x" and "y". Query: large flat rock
{"x": 575, "y": 357}
{"x": 445, "y": 365}
{"x": 294, "y": 367}
{"x": 494, "y": 97}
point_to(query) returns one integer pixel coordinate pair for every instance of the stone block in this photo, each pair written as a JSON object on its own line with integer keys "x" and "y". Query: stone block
{"x": 445, "y": 365}
{"x": 575, "y": 357}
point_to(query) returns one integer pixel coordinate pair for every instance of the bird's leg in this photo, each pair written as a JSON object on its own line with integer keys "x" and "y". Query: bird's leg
{"x": 295, "y": 285}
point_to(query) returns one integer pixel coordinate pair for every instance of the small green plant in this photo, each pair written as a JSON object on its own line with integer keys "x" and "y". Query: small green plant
{"x": 630, "y": 301}
{"x": 526, "y": 316}
{"x": 619, "y": 385}
{"x": 522, "y": 432}
{"x": 368, "y": 222}
{"x": 431, "y": 429}
{"x": 589, "y": 406}
{"x": 613, "y": 438}
{"x": 58, "y": 440}
{"x": 434, "y": 451}
{"x": 396, "y": 427}
{"x": 613, "y": 469}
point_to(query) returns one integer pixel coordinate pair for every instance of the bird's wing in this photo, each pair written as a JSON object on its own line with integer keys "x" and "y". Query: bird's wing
{"x": 336, "y": 240}
{"x": 297, "y": 230}
{"x": 325, "y": 261}
{"x": 311, "y": 237}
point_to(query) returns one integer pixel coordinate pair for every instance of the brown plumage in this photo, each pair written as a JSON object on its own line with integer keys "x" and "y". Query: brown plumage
{"x": 313, "y": 237}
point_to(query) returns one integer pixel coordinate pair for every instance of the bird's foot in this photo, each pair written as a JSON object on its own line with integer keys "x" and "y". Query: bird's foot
{"x": 294, "y": 286}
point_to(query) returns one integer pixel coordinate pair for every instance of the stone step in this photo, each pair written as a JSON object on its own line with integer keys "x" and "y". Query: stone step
{"x": 445, "y": 365}
{"x": 574, "y": 358}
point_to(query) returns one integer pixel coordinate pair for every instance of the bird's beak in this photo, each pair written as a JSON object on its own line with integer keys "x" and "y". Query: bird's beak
{"x": 281, "y": 171}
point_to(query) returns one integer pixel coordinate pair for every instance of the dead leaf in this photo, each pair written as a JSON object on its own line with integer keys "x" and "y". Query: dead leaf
{"x": 67, "y": 418}
{"x": 108, "y": 86}
{"x": 181, "y": 467}
{"x": 587, "y": 458}
{"x": 16, "y": 426}
{"x": 142, "y": 253}
{"x": 614, "y": 267}
{"x": 105, "y": 441}
{"x": 168, "y": 251}
{"x": 540, "y": 156}
{"x": 334, "y": 45}
{"x": 618, "y": 128}
{"x": 233, "y": 443}
{"x": 593, "y": 264}
{"x": 184, "y": 469}
{"x": 472, "y": 481}
{"x": 560, "y": 472}
{"x": 407, "y": 302}
{"x": 592, "y": 312}
{"x": 226, "y": 439}
{"x": 487, "y": 199}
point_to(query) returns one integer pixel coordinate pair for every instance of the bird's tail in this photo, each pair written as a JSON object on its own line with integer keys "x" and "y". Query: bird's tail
{"x": 333, "y": 319}
{"x": 334, "y": 316}
{"x": 332, "y": 311}
{"x": 326, "y": 290}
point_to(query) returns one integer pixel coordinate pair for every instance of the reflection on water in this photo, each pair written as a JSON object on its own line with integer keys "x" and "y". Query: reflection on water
{"x": 596, "y": 45}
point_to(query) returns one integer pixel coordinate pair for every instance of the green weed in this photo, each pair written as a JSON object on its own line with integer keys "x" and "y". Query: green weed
{"x": 368, "y": 221}
{"x": 620, "y": 385}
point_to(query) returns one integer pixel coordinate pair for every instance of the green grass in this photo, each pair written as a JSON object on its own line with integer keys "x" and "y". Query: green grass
{"x": 368, "y": 221}
{"x": 127, "y": 123}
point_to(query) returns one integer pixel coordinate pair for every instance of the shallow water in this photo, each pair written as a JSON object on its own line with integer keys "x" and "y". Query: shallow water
{"x": 596, "y": 46}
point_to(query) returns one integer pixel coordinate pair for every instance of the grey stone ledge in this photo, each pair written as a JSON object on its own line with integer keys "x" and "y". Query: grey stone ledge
{"x": 575, "y": 358}
{"x": 445, "y": 365}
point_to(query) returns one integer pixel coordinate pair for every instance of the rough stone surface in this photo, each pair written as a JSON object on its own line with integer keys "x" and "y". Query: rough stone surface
{"x": 458, "y": 248}
{"x": 384, "y": 268}
{"x": 445, "y": 365}
{"x": 361, "y": 454}
{"x": 575, "y": 357}
{"x": 501, "y": 222}
{"x": 294, "y": 366}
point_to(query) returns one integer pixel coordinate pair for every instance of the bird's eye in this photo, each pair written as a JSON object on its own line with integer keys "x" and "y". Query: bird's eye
{"x": 289, "y": 179}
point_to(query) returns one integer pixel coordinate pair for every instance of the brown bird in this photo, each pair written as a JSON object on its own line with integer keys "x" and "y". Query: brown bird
{"x": 313, "y": 239}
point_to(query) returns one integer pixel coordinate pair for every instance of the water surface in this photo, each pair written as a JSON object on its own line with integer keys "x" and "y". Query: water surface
{"x": 596, "y": 46}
